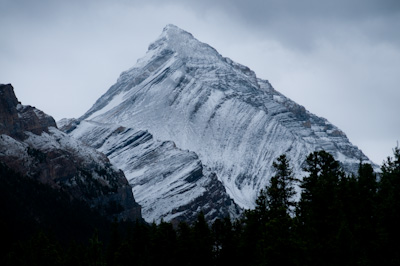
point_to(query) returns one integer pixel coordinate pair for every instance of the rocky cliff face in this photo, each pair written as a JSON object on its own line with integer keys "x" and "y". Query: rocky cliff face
{"x": 237, "y": 124}
{"x": 15, "y": 118}
{"x": 31, "y": 144}
{"x": 169, "y": 183}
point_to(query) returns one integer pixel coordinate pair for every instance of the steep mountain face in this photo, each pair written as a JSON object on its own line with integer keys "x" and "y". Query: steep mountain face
{"x": 169, "y": 183}
{"x": 31, "y": 145}
{"x": 237, "y": 124}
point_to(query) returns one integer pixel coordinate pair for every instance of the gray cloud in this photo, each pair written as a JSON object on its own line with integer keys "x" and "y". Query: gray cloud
{"x": 294, "y": 23}
{"x": 340, "y": 59}
{"x": 301, "y": 23}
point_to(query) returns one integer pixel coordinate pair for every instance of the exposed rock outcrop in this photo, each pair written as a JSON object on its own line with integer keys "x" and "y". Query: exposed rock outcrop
{"x": 15, "y": 118}
{"x": 31, "y": 145}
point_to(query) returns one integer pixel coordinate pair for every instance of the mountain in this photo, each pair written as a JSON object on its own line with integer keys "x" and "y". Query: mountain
{"x": 32, "y": 146}
{"x": 183, "y": 91}
{"x": 170, "y": 183}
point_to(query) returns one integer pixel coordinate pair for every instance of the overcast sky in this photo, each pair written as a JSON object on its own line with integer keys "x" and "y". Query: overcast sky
{"x": 340, "y": 59}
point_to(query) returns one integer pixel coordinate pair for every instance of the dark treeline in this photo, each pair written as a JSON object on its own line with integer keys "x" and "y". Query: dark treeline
{"x": 337, "y": 219}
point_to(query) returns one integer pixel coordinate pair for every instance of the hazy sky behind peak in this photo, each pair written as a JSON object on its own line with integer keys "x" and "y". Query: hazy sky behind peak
{"x": 340, "y": 59}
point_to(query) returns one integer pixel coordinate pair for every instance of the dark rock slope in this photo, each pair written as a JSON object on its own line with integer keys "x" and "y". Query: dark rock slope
{"x": 31, "y": 145}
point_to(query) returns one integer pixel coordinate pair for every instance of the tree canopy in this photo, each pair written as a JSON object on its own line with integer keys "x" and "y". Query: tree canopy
{"x": 337, "y": 219}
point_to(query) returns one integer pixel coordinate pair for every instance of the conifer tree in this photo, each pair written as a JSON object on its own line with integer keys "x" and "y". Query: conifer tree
{"x": 281, "y": 190}
{"x": 95, "y": 251}
{"x": 279, "y": 245}
{"x": 365, "y": 208}
{"x": 319, "y": 211}
{"x": 164, "y": 244}
{"x": 185, "y": 245}
{"x": 270, "y": 224}
{"x": 203, "y": 245}
{"x": 225, "y": 242}
{"x": 389, "y": 209}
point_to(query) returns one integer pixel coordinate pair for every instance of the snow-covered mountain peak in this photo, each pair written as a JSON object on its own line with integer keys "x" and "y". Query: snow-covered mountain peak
{"x": 173, "y": 32}
{"x": 184, "y": 91}
{"x": 174, "y": 28}
{"x": 177, "y": 56}
{"x": 182, "y": 43}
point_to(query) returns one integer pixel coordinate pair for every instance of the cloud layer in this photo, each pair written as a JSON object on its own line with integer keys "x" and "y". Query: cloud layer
{"x": 340, "y": 59}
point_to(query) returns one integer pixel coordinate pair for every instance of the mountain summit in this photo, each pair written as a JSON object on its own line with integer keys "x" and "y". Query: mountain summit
{"x": 183, "y": 91}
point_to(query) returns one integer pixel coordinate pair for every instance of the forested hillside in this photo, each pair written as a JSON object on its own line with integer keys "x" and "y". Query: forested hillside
{"x": 338, "y": 220}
